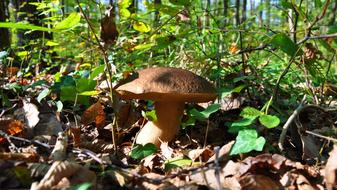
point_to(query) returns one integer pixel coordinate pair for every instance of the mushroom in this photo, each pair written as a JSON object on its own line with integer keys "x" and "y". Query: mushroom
{"x": 169, "y": 88}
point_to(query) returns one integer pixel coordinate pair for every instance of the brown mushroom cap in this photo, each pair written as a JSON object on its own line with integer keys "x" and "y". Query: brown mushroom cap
{"x": 166, "y": 84}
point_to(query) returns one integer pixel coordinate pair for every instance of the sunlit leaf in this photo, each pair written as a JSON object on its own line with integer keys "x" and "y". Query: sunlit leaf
{"x": 250, "y": 112}
{"x": 44, "y": 93}
{"x": 24, "y": 26}
{"x": 177, "y": 162}
{"x": 246, "y": 141}
{"x": 205, "y": 113}
{"x": 269, "y": 121}
{"x": 139, "y": 151}
{"x": 150, "y": 115}
{"x": 141, "y": 26}
{"x": 72, "y": 20}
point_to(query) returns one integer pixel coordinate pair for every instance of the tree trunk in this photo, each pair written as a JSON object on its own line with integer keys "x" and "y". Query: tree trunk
{"x": 4, "y": 32}
{"x": 268, "y": 12}
{"x": 156, "y": 14}
{"x": 244, "y": 11}
{"x": 225, "y": 11}
{"x": 237, "y": 12}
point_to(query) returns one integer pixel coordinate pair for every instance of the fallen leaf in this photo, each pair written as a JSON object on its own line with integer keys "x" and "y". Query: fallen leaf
{"x": 94, "y": 113}
{"x": 331, "y": 169}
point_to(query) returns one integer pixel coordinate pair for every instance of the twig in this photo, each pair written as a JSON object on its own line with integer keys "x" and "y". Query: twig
{"x": 106, "y": 61}
{"x": 287, "y": 124}
{"x": 317, "y": 37}
{"x": 35, "y": 142}
{"x": 217, "y": 168}
{"x": 321, "y": 136}
{"x": 90, "y": 154}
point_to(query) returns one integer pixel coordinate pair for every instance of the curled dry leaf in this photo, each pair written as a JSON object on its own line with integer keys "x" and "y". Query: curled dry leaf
{"x": 257, "y": 182}
{"x": 29, "y": 113}
{"x": 64, "y": 173}
{"x": 94, "y": 113}
{"x": 331, "y": 170}
{"x": 203, "y": 153}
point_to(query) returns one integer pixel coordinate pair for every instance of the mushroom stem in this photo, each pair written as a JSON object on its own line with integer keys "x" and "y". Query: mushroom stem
{"x": 166, "y": 126}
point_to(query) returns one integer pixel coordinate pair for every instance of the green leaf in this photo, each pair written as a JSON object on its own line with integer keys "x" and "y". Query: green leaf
{"x": 43, "y": 94}
{"x": 150, "y": 115}
{"x": 206, "y": 113}
{"x": 89, "y": 93}
{"x": 269, "y": 121}
{"x": 181, "y": 2}
{"x": 177, "y": 162}
{"x": 125, "y": 13}
{"x": 141, "y": 26}
{"x": 190, "y": 122}
{"x": 139, "y": 151}
{"x": 82, "y": 85}
{"x": 24, "y": 26}
{"x": 284, "y": 43}
{"x": 51, "y": 43}
{"x": 72, "y": 20}
{"x": 68, "y": 93}
{"x": 83, "y": 186}
{"x": 246, "y": 141}
{"x": 98, "y": 70}
{"x": 123, "y": 4}
{"x": 250, "y": 112}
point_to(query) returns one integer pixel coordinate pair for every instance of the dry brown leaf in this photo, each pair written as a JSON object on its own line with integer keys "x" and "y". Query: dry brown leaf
{"x": 223, "y": 152}
{"x": 166, "y": 151}
{"x": 29, "y": 113}
{"x": 258, "y": 182}
{"x": 11, "y": 127}
{"x": 331, "y": 169}
{"x": 64, "y": 174}
{"x": 109, "y": 31}
{"x": 203, "y": 153}
{"x": 94, "y": 113}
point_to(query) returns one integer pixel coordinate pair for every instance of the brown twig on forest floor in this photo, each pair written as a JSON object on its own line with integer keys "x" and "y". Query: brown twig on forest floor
{"x": 287, "y": 124}
{"x": 35, "y": 142}
{"x": 321, "y": 136}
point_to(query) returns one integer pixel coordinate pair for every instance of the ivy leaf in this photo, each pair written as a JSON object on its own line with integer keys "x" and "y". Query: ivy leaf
{"x": 141, "y": 26}
{"x": 139, "y": 151}
{"x": 206, "y": 113}
{"x": 177, "y": 162}
{"x": 269, "y": 121}
{"x": 250, "y": 112}
{"x": 69, "y": 22}
{"x": 247, "y": 141}
{"x": 236, "y": 126}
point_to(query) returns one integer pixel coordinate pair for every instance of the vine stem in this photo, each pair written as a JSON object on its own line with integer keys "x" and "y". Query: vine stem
{"x": 108, "y": 66}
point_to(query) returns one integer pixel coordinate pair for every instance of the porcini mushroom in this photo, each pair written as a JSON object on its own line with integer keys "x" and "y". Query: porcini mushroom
{"x": 169, "y": 88}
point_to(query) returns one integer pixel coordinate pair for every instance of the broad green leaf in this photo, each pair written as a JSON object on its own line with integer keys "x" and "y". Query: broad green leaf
{"x": 141, "y": 26}
{"x": 72, "y": 20}
{"x": 269, "y": 121}
{"x": 43, "y": 94}
{"x": 24, "y": 26}
{"x": 249, "y": 112}
{"x": 82, "y": 85}
{"x": 124, "y": 13}
{"x": 68, "y": 93}
{"x": 139, "y": 151}
{"x": 90, "y": 93}
{"x": 284, "y": 43}
{"x": 123, "y": 4}
{"x": 181, "y": 2}
{"x": 246, "y": 141}
{"x": 150, "y": 115}
{"x": 206, "y": 113}
{"x": 22, "y": 53}
{"x": 177, "y": 162}
{"x": 98, "y": 70}
{"x": 237, "y": 126}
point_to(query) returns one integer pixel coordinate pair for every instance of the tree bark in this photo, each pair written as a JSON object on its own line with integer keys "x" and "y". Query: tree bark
{"x": 332, "y": 16}
{"x": 268, "y": 12}
{"x": 225, "y": 11}
{"x": 244, "y": 11}
{"x": 4, "y": 32}
{"x": 237, "y": 12}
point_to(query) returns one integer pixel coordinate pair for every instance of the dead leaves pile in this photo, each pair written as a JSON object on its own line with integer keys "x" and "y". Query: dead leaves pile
{"x": 39, "y": 150}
